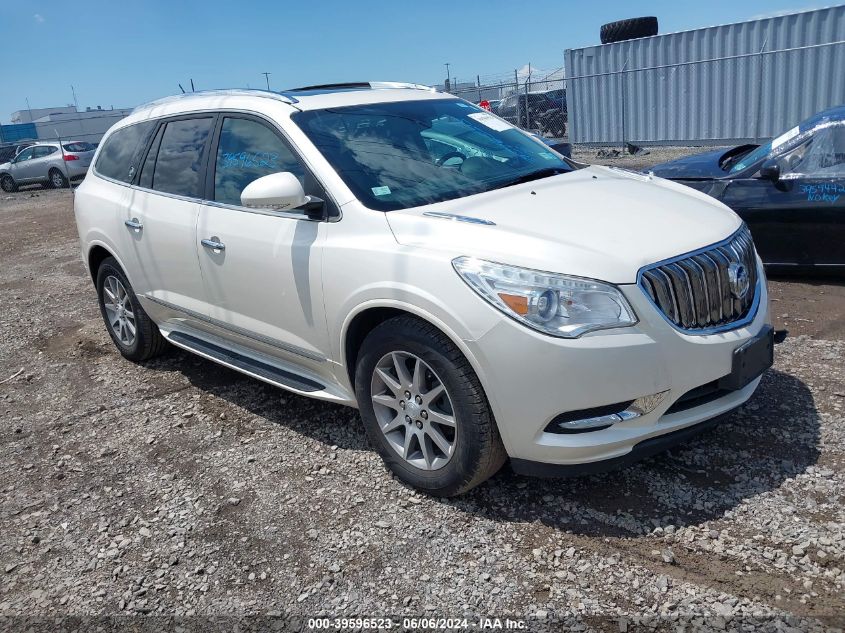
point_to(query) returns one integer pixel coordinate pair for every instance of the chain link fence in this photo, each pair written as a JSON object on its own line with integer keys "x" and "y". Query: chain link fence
{"x": 532, "y": 100}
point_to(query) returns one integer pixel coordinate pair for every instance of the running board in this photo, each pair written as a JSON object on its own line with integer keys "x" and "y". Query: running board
{"x": 243, "y": 363}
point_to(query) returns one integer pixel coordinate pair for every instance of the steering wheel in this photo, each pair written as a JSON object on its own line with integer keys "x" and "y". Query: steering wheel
{"x": 440, "y": 161}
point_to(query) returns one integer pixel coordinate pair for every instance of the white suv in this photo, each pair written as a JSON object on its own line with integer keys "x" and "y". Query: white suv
{"x": 474, "y": 294}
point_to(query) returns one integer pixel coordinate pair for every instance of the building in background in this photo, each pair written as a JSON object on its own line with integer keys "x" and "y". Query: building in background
{"x": 720, "y": 85}
{"x": 63, "y": 121}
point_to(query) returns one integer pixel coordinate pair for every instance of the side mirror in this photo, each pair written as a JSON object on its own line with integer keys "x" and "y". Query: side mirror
{"x": 281, "y": 191}
{"x": 770, "y": 171}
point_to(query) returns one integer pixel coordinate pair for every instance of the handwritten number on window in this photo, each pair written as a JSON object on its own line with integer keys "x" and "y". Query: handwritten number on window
{"x": 250, "y": 160}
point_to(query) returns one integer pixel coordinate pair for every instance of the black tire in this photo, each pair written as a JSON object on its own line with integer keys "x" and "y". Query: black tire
{"x": 148, "y": 341}
{"x": 56, "y": 179}
{"x": 631, "y": 29}
{"x": 8, "y": 184}
{"x": 478, "y": 453}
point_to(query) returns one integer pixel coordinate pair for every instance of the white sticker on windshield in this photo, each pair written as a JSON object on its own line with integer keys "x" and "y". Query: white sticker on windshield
{"x": 786, "y": 136}
{"x": 381, "y": 191}
{"x": 546, "y": 155}
{"x": 462, "y": 105}
{"x": 491, "y": 121}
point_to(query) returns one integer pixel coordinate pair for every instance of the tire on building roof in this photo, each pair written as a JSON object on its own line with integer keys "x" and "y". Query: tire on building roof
{"x": 629, "y": 29}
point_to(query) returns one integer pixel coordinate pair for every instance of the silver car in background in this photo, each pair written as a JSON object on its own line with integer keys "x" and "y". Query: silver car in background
{"x": 47, "y": 163}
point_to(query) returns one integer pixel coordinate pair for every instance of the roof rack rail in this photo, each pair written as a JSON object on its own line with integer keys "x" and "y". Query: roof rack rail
{"x": 358, "y": 85}
{"x": 230, "y": 92}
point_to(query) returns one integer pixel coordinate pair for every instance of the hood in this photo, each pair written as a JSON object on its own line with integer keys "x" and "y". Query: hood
{"x": 596, "y": 222}
{"x": 4, "y": 166}
{"x": 705, "y": 165}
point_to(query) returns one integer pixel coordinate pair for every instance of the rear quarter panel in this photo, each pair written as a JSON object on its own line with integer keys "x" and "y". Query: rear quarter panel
{"x": 97, "y": 204}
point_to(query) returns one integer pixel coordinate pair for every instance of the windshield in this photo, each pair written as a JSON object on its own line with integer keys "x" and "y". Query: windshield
{"x": 779, "y": 143}
{"x": 410, "y": 153}
{"x": 752, "y": 157}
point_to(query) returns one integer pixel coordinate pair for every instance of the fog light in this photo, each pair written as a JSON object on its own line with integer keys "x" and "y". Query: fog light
{"x": 598, "y": 418}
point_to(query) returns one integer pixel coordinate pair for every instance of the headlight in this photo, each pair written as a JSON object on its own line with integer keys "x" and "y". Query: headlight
{"x": 554, "y": 304}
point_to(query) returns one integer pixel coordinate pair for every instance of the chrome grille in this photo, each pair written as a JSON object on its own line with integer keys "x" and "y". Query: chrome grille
{"x": 694, "y": 291}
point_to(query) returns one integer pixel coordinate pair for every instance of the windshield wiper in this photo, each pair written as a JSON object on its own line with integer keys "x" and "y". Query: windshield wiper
{"x": 533, "y": 175}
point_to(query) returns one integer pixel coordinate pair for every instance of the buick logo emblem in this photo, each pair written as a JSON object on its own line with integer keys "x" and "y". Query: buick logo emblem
{"x": 738, "y": 280}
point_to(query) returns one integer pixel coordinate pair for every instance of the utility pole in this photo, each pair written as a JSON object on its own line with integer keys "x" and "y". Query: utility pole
{"x": 29, "y": 109}
{"x": 78, "y": 119}
{"x": 267, "y": 78}
{"x": 448, "y": 78}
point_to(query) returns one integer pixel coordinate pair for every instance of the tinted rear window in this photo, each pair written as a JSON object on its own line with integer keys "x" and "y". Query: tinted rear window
{"x": 179, "y": 165}
{"x": 78, "y": 147}
{"x": 122, "y": 151}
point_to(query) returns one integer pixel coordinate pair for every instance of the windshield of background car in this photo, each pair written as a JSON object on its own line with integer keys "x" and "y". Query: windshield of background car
{"x": 410, "y": 153}
{"x": 752, "y": 157}
{"x": 765, "y": 150}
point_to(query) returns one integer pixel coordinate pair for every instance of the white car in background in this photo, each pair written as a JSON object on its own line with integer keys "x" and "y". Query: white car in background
{"x": 474, "y": 305}
{"x": 52, "y": 164}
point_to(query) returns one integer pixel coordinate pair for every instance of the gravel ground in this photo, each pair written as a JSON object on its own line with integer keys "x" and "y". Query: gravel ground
{"x": 181, "y": 488}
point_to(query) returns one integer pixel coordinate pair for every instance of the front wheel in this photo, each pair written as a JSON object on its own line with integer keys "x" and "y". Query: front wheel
{"x": 133, "y": 332}
{"x": 424, "y": 409}
{"x": 8, "y": 184}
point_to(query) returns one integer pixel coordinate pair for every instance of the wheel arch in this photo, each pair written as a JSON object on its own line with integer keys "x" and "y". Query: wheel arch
{"x": 369, "y": 315}
{"x": 97, "y": 253}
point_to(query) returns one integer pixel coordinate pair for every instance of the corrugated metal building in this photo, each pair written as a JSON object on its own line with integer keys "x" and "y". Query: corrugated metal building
{"x": 719, "y": 85}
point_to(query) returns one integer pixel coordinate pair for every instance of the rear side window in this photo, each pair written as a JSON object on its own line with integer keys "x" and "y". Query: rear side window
{"x": 78, "y": 147}
{"x": 146, "y": 178}
{"x": 247, "y": 151}
{"x": 122, "y": 151}
{"x": 179, "y": 162}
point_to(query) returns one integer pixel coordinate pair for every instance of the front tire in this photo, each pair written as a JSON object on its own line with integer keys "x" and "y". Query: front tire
{"x": 8, "y": 184}
{"x": 56, "y": 180}
{"x": 424, "y": 409}
{"x": 131, "y": 329}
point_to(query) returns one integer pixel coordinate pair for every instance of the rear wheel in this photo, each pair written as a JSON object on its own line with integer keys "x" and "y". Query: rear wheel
{"x": 57, "y": 179}
{"x": 8, "y": 184}
{"x": 131, "y": 330}
{"x": 424, "y": 409}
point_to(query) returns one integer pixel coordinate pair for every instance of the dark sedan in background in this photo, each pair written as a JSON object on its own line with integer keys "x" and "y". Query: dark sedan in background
{"x": 790, "y": 191}
{"x": 535, "y": 111}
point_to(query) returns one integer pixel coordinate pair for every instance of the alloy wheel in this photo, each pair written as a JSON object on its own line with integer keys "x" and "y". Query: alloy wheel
{"x": 414, "y": 410}
{"x": 58, "y": 180}
{"x": 119, "y": 312}
{"x": 7, "y": 184}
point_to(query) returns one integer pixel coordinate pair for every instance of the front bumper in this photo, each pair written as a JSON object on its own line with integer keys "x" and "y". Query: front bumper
{"x": 531, "y": 378}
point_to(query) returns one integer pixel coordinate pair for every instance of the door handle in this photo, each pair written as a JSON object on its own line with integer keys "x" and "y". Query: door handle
{"x": 214, "y": 243}
{"x": 134, "y": 224}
